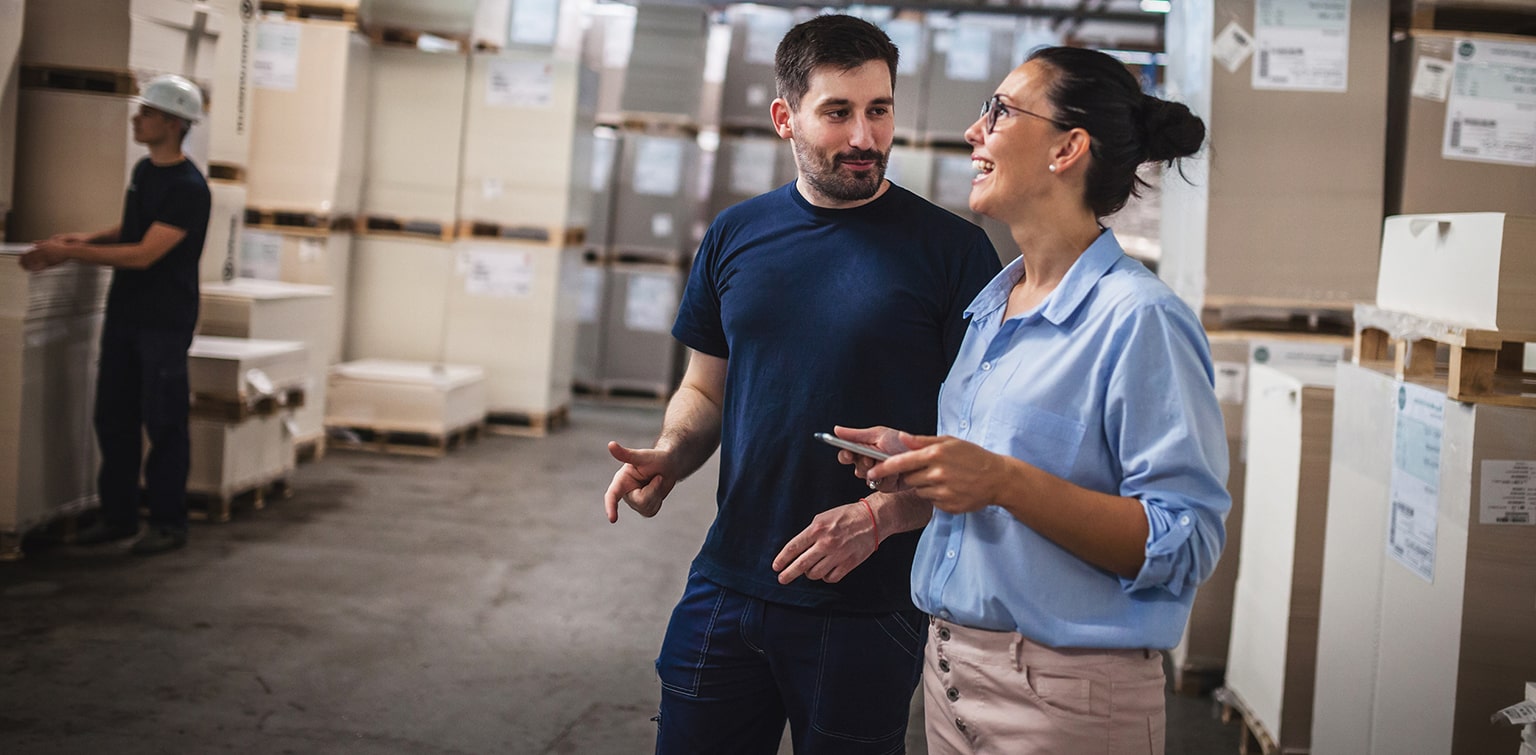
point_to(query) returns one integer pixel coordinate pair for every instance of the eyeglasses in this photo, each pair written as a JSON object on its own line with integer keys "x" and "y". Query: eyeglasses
{"x": 994, "y": 108}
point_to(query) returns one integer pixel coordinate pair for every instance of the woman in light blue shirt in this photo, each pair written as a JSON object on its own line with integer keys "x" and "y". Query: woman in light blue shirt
{"x": 1078, "y": 478}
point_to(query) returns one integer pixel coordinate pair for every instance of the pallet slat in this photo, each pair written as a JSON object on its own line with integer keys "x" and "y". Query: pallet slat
{"x": 528, "y": 424}
{"x": 408, "y": 443}
{"x": 1481, "y": 366}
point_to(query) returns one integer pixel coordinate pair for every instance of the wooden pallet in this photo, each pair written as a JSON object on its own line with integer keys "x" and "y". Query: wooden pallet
{"x": 381, "y": 225}
{"x": 290, "y": 221}
{"x": 554, "y": 235}
{"x": 226, "y": 172}
{"x": 1256, "y": 737}
{"x": 653, "y": 124}
{"x": 229, "y": 410}
{"x": 1194, "y": 681}
{"x": 1472, "y": 366}
{"x": 218, "y": 507}
{"x": 94, "y": 80}
{"x": 1482, "y": 16}
{"x": 624, "y": 395}
{"x": 390, "y": 441}
{"x": 60, "y": 527}
{"x": 396, "y": 36}
{"x": 311, "y": 11}
{"x": 1277, "y": 315}
{"x": 528, "y": 424}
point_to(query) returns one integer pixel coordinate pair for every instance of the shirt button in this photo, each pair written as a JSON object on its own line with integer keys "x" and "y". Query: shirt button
{"x": 944, "y": 665}
{"x": 964, "y": 424}
{"x": 1184, "y": 520}
{"x": 953, "y": 694}
{"x": 949, "y": 554}
{"x": 986, "y": 366}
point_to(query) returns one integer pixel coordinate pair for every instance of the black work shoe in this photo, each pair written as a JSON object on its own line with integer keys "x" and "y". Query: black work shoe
{"x": 159, "y": 540}
{"x": 101, "y": 532}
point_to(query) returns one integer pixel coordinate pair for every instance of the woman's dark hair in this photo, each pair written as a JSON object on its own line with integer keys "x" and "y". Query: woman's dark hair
{"x": 1095, "y": 92}
{"x": 843, "y": 42}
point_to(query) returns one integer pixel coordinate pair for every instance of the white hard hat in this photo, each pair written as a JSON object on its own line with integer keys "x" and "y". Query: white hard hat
{"x": 175, "y": 95}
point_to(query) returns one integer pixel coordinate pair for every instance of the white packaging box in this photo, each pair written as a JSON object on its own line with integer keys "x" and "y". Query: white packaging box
{"x": 1273, "y": 214}
{"x": 242, "y": 370}
{"x": 229, "y": 458}
{"x": 528, "y": 145}
{"x": 220, "y": 260}
{"x": 409, "y": 397}
{"x": 314, "y": 258}
{"x": 229, "y": 100}
{"x": 48, "y": 456}
{"x": 275, "y": 311}
{"x": 10, "y": 83}
{"x": 1474, "y": 269}
{"x": 399, "y": 299}
{"x": 416, "y": 122}
{"x": 74, "y": 154}
{"x": 512, "y": 310}
{"x": 146, "y": 36}
{"x": 309, "y": 130}
{"x": 1271, "y": 663}
{"x": 1205, "y": 643}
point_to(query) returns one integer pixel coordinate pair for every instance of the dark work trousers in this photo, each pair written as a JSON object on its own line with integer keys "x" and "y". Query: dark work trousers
{"x": 142, "y": 390}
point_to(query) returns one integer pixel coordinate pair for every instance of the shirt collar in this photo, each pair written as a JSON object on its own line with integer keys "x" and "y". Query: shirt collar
{"x": 1070, "y": 294}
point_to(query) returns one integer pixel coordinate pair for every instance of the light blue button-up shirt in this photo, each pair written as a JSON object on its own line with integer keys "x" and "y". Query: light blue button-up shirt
{"x": 1107, "y": 384}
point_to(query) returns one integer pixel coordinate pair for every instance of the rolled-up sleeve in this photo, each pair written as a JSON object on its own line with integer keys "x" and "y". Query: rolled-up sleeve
{"x": 1163, "y": 419}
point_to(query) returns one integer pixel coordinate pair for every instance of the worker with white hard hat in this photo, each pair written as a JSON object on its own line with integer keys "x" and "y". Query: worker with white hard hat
{"x": 142, "y": 387}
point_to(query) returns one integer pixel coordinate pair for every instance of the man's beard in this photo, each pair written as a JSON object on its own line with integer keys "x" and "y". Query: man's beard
{"x": 824, "y": 175}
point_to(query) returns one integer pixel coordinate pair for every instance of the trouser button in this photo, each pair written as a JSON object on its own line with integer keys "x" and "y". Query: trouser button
{"x": 944, "y": 633}
{"x": 944, "y": 665}
{"x": 953, "y": 694}
{"x": 959, "y": 724}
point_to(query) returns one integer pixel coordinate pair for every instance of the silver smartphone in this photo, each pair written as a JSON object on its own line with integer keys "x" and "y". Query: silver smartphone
{"x": 848, "y": 445}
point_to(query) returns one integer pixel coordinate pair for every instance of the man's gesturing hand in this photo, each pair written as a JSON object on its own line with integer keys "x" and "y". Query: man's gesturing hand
{"x": 642, "y": 482}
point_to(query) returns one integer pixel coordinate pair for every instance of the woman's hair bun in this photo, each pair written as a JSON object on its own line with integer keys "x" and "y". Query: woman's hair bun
{"x": 1169, "y": 130}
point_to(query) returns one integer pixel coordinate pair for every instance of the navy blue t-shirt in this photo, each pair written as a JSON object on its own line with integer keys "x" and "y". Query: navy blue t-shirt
{"x": 826, "y": 317}
{"x": 164, "y": 295}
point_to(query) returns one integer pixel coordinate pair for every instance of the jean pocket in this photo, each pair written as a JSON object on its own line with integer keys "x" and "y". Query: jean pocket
{"x": 685, "y": 649}
{"x": 868, "y": 671}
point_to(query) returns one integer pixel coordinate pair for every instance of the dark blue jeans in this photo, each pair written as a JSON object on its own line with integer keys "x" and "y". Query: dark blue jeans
{"x": 734, "y": 668}
{"x": 142, "y": 390}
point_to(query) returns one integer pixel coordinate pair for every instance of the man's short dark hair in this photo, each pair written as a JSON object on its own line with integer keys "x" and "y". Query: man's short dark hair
{"x": 842, "y": 42}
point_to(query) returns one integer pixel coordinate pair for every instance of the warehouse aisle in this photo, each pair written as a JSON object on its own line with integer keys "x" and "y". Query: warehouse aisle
{"x": 474, "y": 604}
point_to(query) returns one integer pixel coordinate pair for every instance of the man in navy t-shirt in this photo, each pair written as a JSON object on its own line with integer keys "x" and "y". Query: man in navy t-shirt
{"x": 836, "y": 299}
{"x": 141, "y": 388}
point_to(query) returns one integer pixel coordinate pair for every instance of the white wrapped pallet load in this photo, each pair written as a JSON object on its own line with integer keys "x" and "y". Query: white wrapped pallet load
{"x": 220, "y": 260}
{"x": 399, "y": 299}
{"x": 144, "y": 36}
{"x": 10, "y": 80}
{"x": 406, "y": 397}
{"x": 244, "y": 371}
{"x": 229, "y": 458}
{"x": 416, "y": 122}
{"x": 74, "y": 154}
{"x": 229, "y": 101}
{"x": 301, "y": 256}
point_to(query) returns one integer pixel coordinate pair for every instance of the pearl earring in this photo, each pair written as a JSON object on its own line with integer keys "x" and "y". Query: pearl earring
{"x": 1051, "y": 167}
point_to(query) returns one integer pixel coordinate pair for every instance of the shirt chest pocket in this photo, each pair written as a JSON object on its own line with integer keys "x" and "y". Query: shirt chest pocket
{"x": 1046, "y": 440}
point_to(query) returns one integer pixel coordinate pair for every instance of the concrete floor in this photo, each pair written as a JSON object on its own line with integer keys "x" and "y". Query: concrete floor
{"x": 478, "y": 603}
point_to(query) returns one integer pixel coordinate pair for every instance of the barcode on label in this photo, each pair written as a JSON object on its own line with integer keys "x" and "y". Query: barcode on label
{"x": 1456, "y": 134}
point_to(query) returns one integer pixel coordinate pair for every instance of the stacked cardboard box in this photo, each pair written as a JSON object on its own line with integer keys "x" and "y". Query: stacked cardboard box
{"x": 416, "y": 122}
{"x": 1271, "y": 664}
{"x": 1255, "y": 225}
{"x": 50, "y": 328}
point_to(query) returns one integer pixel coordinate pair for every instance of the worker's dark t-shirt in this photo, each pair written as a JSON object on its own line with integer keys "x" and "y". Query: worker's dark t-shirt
{"x": 164, "y": 295}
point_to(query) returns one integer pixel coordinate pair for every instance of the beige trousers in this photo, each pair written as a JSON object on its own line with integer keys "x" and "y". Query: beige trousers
{"x": 997, "y": 693}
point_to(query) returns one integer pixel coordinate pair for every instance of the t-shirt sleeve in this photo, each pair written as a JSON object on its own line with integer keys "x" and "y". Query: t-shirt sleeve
{"x": 186, "y": 206}
{"x": 976, "y": 268}
{"x": 698, "y": 324}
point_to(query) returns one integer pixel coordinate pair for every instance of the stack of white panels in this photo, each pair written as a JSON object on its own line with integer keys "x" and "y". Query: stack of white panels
{"x": 666, "y": 62}
{"x": 408, "y": 397}
{"x": 309, "y": 129}
{"x": 512, "y": 309}
{"x": 749, "y": 83}
{"x": 244, "y": 370}
{"x": 527, "y": 146}
{"x": 1272, "y": 662}
{"x": 314, "y": 258}
{"x": 74, "y": 155}
{"x": 269, "y": 310}
{"x": 229, "y": 458}
{"x": 220, "y": 260}
{"x": 50, "y": 330}
{"x": 416, "y": 121}
{"x": 746, "y": 166}
{"x": 229, "y": 98}
{"x": 1474, "y": 269}
{"x": 144, "y": 36}
{"x": 653, "y": 197}
{"x": 399, "y": 298}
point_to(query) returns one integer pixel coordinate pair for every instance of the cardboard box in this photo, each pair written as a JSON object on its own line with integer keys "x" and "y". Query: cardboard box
{"x": 528, "y": 145}
{"x": 414, "y": 397}
{"x": 230, "y": 97}
{"x": 416, "y": 122}
{"x": 1271, "y": 663}
{"x": 229, "y": 458}
{"x": 1254, "y": 223}
{"x": 309, "y": 119}
{"x": 1204, "y": 646}
{"x": 639, "y": 353}
{"x": 243, "y": 370}
{"x": 74, "y": 155}
{"x": 146, "y": 36}
{"x": 48, "y": 456}
{"x": 275, "y": 311}
{"x": 220, "y": 260}
{"x": 665, "y": 74}
{"x": 10, "y": 83}
{"x": 399, "y": 299}
{"x": 1473, "y": 269}
{"x": 323, "y": 259}
{"x": 1420, "y": 178}
{"x": 512, "y": 310}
